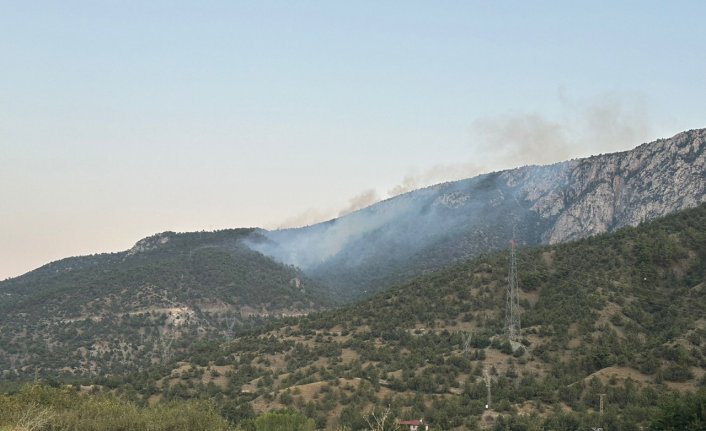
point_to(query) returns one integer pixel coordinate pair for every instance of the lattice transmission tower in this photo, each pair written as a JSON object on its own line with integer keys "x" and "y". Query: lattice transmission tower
{"x": 512, "y": 306}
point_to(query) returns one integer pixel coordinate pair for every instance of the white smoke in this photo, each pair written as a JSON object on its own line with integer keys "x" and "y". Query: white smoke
{"x": 436, "y": 174}
{"x": 315, "y": 215}
{"x": 612, "y": 122}
{"x": 362, "y": 200}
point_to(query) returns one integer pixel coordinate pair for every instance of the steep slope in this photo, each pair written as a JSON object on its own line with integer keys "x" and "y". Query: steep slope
{"x": 429, "y": 228}
{"x": 621, "y": 314}
{"x": 122, "y": 311}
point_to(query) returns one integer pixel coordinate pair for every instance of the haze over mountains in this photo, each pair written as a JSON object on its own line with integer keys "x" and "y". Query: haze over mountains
{"x": 244, "y": 304}
{"x": 394, "y": 240}
{"x": 254, "y": 216}
{"x": 618, "y": 317}
{"x": 432, "y": 227}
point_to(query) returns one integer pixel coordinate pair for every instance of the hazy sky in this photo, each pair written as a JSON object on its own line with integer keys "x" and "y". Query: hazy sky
{"x": 120, "y": 119}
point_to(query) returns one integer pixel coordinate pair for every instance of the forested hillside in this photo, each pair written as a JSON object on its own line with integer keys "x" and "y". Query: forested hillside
{"x": 618, "y": 316}
{"x": 124, "y": 312}
{"x": 621, "y": 314}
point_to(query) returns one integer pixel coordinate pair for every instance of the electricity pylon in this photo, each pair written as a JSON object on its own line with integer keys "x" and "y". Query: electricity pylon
{"x": 512, "y": 299}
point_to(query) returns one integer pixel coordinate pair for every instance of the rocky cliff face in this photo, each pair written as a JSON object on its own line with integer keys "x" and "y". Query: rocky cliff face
{"x": 435, "y": 226}
{"x": 602, "y": 193}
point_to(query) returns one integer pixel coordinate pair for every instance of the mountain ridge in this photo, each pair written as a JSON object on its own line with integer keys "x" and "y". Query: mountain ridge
{"x": 460, "y": 219}
{"x": 188, "y": 315}
{"x": 112, "y": 312}
{"x": 546, "y": 201}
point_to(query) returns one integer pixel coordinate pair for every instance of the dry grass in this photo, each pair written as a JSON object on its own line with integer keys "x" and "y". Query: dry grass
{"x": 349, "y": 355}
{"x": 34, "y": 418}
{"x": 620, "y": 374}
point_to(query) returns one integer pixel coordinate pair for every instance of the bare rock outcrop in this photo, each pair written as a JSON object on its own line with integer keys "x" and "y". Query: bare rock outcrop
{"x": 615, "y": 190}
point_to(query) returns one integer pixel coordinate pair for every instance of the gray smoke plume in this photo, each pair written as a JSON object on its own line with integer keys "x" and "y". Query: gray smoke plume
{"x": 316, "y": 215}
{"x": 436, "y": 174}
{"x": 522, "y": 139}
{"x": 616, "y": 123}
{"x": 610, "y": 123}
{"x": 362, "y": 200}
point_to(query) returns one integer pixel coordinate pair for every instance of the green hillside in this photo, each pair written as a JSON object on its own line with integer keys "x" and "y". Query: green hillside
{"x": 620, "y": 317}
{"x": 122, "y": 312}
{"x": 620, "y": 314}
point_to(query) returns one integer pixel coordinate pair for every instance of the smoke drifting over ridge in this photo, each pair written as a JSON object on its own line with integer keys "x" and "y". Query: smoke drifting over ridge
{"x": 436, "y": 174}
{"x": 607, "y": 125}
{"x": 434, "y": 226}
{"x": 315, "y": 215}
{"x": 612, "y": 122}
{"x": 307, "y": 217}
{"x": 362, "y": 200}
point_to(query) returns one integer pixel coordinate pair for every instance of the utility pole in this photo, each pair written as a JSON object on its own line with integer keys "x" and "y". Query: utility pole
{"x": 164, "y": 347}
{"x": 467, "y": 344}
{"x": 512, "y": 300}
{"x": 230, "y": 324}
{"x": 488, "y": 381}
{"x": 601, "y": 402}
{"x": 601, "y": 398}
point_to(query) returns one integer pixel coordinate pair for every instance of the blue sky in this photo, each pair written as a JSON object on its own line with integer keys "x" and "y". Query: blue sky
{"x": 122, "y": 119}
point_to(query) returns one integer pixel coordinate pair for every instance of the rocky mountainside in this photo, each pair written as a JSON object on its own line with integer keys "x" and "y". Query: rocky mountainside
{"x": 602, "y": 193}
{"x": 401, "y": 237}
